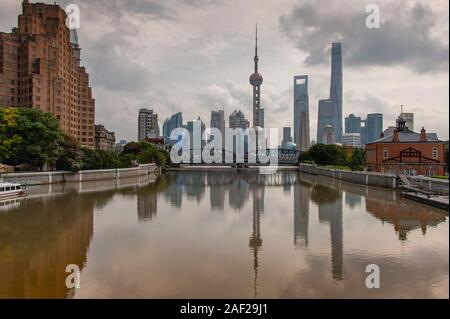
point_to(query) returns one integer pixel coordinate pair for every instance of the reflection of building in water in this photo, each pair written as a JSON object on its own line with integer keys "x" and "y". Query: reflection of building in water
{"x": 352, "y": 200}
{"x": 402, "y": 217}
{"x": 217, "y": 186}
{"x": 174, "y": 192}
{"x": 302, "y": 193}
{"x": 35, "y": 250}
{"x": 330, "y": 210}
{"x": 255, "y": 241}
{"x": 194, "y": 184}
{"x": 147, "y": 203}
{"x": 217, "y": 196}
{"x": 238, "y": 194}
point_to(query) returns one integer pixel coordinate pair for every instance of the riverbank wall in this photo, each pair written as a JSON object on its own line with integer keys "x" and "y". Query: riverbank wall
{"x": 42, "y": 178}
{"x": 433, "y": 185}
{"x": 363, "y": 178}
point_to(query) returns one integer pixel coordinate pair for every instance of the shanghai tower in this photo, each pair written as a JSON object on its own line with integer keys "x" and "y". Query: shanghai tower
{"x": 336, "y": 89}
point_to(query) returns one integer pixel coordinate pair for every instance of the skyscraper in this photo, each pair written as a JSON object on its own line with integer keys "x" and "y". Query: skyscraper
{"x": 196, "y": 143}
{"x": 374, "y": 125}
{"x": 336, "y": 89}
{"x": 325, "y": 117}
{"x": 353, "y": 124}
{"x": 328, "y": 136}
{"x": 175, "y": 121}
{"x": 218, "y": 122}
{"x": 147, "y": 124}
{"x": 286, "y": 135}
{"x": 40, "y": 68}
{"x": 301, "y": 112}
{"x": 256, "y": 80}
{"x": 238, "y": 120}
{"x": 351, "y": 139}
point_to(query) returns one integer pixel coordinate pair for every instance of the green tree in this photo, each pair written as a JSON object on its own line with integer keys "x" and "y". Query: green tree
{"x": 357, "y": 160}
{"x": 70, "y": 158}
{"x": 144, "y": 152}
{"x": 30, "y": 137}
{"x": 334, "y": 155}
{"x": 9, "y": 140}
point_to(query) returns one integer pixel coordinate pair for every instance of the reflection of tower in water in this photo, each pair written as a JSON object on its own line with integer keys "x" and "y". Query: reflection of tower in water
{"x": 301, "y": 213}
{"x": 147, "y": 203}
{"x": 330, "y": 210}
{"x": 255, "y": 241}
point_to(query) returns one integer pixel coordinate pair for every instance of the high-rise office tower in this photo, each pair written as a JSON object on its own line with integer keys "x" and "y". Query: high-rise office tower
{"x": 287, "y": 137}
{"x": 325, "y": 117}
{"x": 408, "y": 118}
{"x": 175, "y": 121}
{"x": 40, "y": 68}
{"x": 374, "y": 124}
{"x": 353, "y": 124}
{"x": 238, "y": 120}
{"x": 218, "y": 122}
{"x": 351, "y": 139}
{"x": 147, "y": 124}
{"x": 336, "y": 89}
{"x": 256, "y": 80}
{"x": 328, "y": 136}
{"x": 301, "y": 112}
{"x": 364, "y": 132}
{"x": 190, "y": 127}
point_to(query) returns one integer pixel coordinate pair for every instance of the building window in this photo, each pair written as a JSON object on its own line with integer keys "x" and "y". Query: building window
{"x": 385, "y": 152}
{"x": 435, "y": 152}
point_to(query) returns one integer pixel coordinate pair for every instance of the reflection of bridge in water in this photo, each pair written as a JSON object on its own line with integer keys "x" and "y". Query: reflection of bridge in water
{"x": 227, "y": 158}
{"x": 214, "y": 178}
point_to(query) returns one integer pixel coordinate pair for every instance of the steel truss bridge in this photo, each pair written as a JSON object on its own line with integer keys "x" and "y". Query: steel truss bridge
{"x": 284, "y": 157}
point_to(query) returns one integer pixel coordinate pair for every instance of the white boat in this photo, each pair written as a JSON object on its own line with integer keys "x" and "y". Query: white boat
{"x": 10, "y": 190}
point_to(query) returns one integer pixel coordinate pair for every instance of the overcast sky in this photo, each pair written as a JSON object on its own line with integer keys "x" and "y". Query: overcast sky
{"x": 194, "y": 56}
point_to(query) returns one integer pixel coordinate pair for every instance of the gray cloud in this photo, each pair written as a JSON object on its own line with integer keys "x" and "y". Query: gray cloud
{"x": 405, "y": 35}
{"x": 194, "y": 56}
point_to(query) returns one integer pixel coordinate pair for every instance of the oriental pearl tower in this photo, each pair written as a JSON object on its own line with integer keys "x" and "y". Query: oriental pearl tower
{"x": 256, "y": 80}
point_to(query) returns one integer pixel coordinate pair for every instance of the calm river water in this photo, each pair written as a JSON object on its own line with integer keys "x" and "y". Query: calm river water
{"x": 221, "y": 234}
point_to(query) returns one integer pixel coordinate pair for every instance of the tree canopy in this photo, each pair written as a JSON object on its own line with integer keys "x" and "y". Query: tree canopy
{"x": 29, "y": 136}
{"x": 334, "y": 155}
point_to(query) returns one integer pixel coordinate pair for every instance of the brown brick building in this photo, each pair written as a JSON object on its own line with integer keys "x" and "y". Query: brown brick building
{"x": 104, "y": 140}
{"x": 406, "y": 151}
{"x": 40, "y": 68}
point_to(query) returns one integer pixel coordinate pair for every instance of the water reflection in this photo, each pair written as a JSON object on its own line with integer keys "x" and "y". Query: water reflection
{"x": 329, "y": 202}
{"x": 180, "y": 242}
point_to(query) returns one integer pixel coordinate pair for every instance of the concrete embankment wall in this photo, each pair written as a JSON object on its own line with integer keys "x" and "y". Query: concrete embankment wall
{"x": 363, "y": 178}
{"x": 432, "y": 184}
{"x": 42, "y": 178}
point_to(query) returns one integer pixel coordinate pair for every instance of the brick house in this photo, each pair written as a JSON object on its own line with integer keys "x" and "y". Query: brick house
{"x": 406, "y": 151}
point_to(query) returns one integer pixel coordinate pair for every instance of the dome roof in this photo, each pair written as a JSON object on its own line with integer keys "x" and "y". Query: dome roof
{"x": 256, "y": 79}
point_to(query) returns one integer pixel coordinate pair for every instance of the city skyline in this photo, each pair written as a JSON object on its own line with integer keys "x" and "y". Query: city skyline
{"x": 110, "y": 48}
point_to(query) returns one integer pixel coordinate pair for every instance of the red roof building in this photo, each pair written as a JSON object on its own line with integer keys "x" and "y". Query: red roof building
{"x": 406, "y": 151}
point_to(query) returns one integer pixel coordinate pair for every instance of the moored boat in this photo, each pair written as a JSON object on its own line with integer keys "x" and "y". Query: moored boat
{"x": 10, "y": 190}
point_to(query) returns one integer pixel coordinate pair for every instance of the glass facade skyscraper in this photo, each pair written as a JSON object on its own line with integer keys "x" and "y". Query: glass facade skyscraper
{"x": 336, "y": 89}
{"x": 374, "y": 124}
{"x": 330, "y": 110}
{"x": 301, "y": 112}
{"x": 175, "y": 121}
{"x": 325, "y": 117}
{"x": 353, "y": 124}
